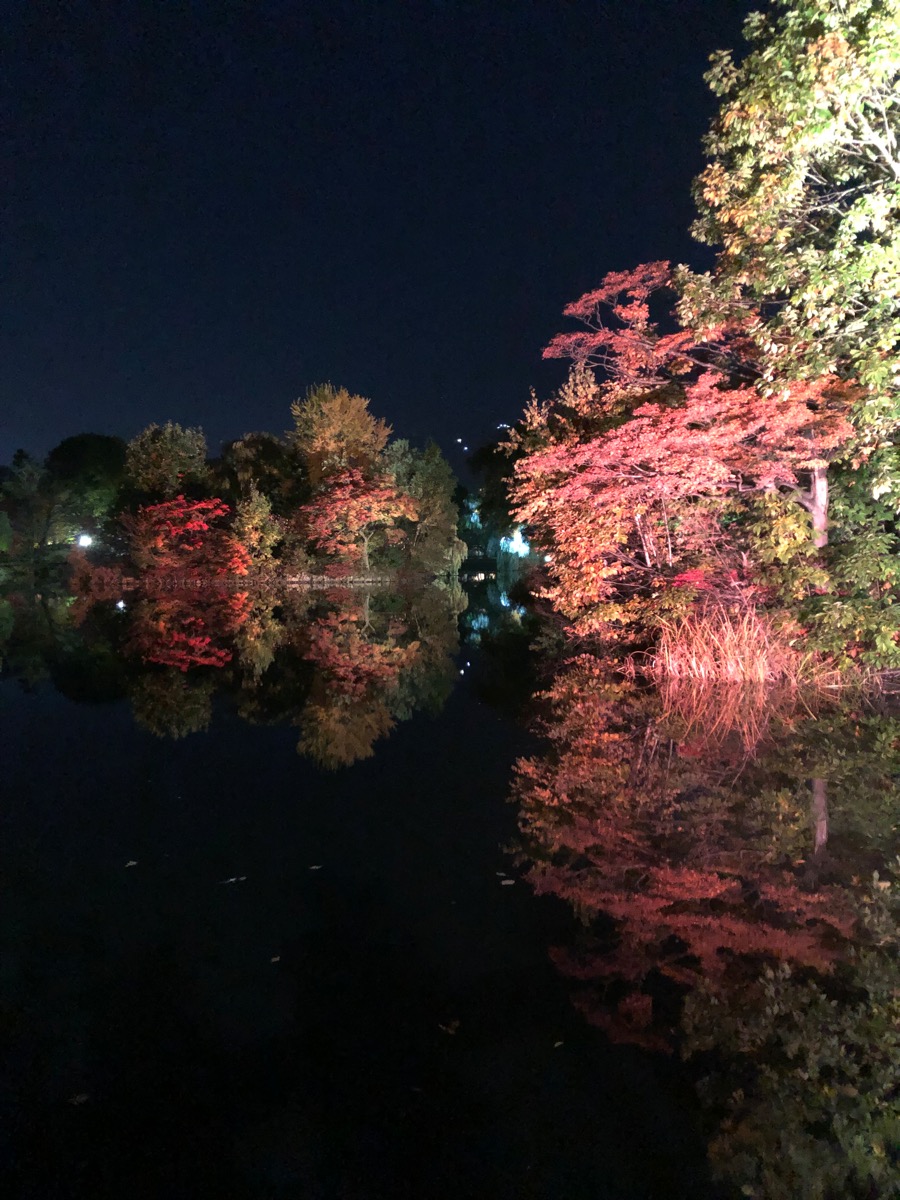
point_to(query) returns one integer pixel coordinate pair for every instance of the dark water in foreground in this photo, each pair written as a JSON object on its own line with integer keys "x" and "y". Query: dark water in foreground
{"x": 230, "y": 972}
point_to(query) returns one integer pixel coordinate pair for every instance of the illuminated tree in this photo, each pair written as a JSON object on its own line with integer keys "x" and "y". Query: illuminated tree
{"x": 801, "y": 194}
{"x": 352, "y": 514}
{"x": 256, "y": 529}
{"x": 426, "y": 476}
{"x": 625, "y": 482}
{"x": 164, "y": 459}
{"x": 335, "y": 432}
{"x": 268, "y": 464}
{"x": 185, "y": 535}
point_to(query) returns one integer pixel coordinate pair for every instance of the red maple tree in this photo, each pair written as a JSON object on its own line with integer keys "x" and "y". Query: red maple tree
{"x": 622, "y": 481}
{"x": 352, "y": 512}
{"x": 185, "y": 536}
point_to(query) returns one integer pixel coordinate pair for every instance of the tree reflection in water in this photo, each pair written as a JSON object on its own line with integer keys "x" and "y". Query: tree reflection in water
{"x": 718, "y": 851}
{"x": 343, "y": 665}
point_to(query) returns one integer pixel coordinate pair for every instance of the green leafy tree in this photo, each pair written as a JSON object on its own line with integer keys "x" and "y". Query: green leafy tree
{"x": 267, "y": 463}
{"x": 29, "y": 502}
{"x": 163, "y": 459}
{"x": 802, "y": 195}
{"x": 426, "y": 476}
{"x": 84, "y": 475}
{"x": 818, "y": 1114}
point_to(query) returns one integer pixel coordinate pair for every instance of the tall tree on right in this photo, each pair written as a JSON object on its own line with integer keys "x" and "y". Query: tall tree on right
{"x": 802, "y": 194}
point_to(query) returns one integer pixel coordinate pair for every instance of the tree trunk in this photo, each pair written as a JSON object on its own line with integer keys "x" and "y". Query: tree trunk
{"x": 819, "y": 506}
{"x": 819, "y": 820}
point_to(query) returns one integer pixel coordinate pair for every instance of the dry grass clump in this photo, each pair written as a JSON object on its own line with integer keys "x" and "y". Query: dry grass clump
{"x": 721, "y": 644}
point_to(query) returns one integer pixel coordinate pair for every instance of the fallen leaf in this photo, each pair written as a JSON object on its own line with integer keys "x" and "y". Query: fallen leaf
{"x": 275, "y": 958}
{"x": 132, "y": 862}
{"x": 317, "y": 867}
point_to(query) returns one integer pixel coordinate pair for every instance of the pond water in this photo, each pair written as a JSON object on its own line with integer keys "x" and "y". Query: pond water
{"x": 272, "y": 926}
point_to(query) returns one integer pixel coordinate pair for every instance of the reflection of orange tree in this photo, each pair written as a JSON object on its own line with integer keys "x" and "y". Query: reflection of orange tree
{"x": 618, "y": 823}
{"x": 171, "y": 704}
{"x": 358, "y": 660}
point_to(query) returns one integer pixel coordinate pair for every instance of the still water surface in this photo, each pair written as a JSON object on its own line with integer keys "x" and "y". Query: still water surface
{"x": 235, "y": 970}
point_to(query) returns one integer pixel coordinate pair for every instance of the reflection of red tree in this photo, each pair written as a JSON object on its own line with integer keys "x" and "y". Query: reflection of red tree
{"x": 187, "y": 631}
{"x": 352, "y": 658}
{"x": 185, "y": 535}
{"x": 618, "y": 825}
{"x": 358, "y": 668}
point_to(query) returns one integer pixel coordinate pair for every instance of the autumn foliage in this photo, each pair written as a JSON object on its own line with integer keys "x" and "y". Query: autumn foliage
{"x": 358, "y": 671}
{"x": 352, "y": 512}
{"x": 185, "y": 535}
{"x": 625, "y": 482}
{"x": 186, "y": 631}
{"x": 671, "y": 871}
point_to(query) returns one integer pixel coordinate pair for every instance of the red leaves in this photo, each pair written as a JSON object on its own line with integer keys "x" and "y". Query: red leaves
{"x": 625, "y": 487}
{"x": 185, "y": 535}
{"x": 672, "y": 848}
{"x": 187, "y": 631}
{"x": 346, "y": 514}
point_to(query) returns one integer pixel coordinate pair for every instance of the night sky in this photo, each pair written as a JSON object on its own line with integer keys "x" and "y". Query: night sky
{"x": 209, "y": 206}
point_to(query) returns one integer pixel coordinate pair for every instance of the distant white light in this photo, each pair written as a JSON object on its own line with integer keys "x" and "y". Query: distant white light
{"x": 503, "y": 425}
{"x": 120, "y": 604}
{"x": 462, "y": 672}
{"x": 84, "y": 539}
{"x": 459, "y": 440}
{"x": 465, "y": 447}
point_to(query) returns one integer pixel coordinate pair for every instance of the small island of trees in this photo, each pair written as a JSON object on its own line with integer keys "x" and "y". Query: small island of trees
{"x": 335, "y": 499}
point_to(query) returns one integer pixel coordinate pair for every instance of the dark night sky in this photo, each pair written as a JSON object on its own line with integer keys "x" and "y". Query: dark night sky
{"x": 210, "y": 205}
